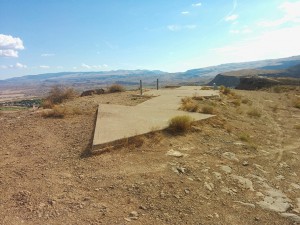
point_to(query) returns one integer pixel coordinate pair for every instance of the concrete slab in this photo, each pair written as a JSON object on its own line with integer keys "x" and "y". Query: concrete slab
{"x": 117, "y": 122}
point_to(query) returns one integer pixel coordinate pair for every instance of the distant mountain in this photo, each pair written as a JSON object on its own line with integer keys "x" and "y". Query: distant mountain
{"x": 82, "y": 80}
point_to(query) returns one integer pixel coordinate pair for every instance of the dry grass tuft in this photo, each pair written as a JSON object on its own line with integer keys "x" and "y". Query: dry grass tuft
{"x": 277, "y": 89}
{"x": 236, "y": 102}
{"x": 225, "y": 90}
{"x": 188, "y": 104}
{"x": 245, "y": 101}
{"x": 116, "y": 88}
{"x": 274, "y": 108}
{"x": 254, "y": 113}
{"x": 244, "y": 137}
{"x": 207, "y": 110}
{"x": 56, "y": 112}
{"x": 198, "y": 98}
{"x": 296, "y": 103}
{"x": 206, "y": 88}
{"x": 180, "y": 124}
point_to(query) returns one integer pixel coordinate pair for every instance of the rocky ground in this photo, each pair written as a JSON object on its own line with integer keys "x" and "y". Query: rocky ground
{"x": 240, "y": 167}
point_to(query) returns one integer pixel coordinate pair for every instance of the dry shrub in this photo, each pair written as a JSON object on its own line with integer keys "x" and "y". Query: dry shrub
{"x": 244, "y": 137}
{"x": 188, "y": 104}
{"x": 254, "y": 113}
{"x": 274, "y": 108}
{"x": 198, "y": 98}
{"x": 207, "y": 110}
{"x": 226, "y": 91}
{"x": 180, "y": 124}
{"x": 236, "y": 102}
{"x": 47, "y": 104}
{"x": 277, "y": 89}
{"x": 116, "y": 88}
{"x": 245, "y": 101}
{"x": 206, "y": 88}
{"x": 228, "y": 128}
{"x": 56, "y": 112}
{"x": 296, "y": 103}
{"x": 297, "y": 126}
{"x": 57, "y": 95}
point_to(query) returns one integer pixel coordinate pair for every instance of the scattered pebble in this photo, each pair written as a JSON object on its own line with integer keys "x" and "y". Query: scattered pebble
{"x": 209, "y": 186}
{"x": 245, "y": 163}
{"x": 175, "y": 153}
{"x": 230, "y": 156}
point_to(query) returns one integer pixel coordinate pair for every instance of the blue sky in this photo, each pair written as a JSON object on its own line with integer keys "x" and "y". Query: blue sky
{"x": 170, "y": 35}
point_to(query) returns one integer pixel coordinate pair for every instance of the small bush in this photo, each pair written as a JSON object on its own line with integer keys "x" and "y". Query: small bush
{"x": 198, "y": 98}
{"x": 207, "y": 110}
{"x": 296, "y": 103}
{"x": 221, "y": 88}
{"x": 226, "y": 91}
{"x": 57, "y": 95}
{"x": 56, "y": 112}
{"x": 116, "y": 88}
{"x": 254, "y": 113}
{"x": 245, "y": 101}
{"x": 206, "y": 88}
{"x": 274, "y": 108}
{"x": 244, "y": 137}
{"x": 188, "y": 104}
{"x": 236, "y": 102}
{"x": 180, "y": 124}
{"x": 47, "y": 104}
{"x": 277, "y": 89}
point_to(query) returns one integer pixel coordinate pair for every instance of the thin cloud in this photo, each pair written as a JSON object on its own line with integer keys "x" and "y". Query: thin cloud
{"x": 86, "y": 66}
{"x": 291, "y": 12}
{"x": 10, "y": 46}
{"x": 185, "y": 12}
{"x": 197, "y": 4}
{"x": 44, "y": 67}
{"x": 47, "y": 54}
{"x": 277, "y": 43}
{"x": 242, "y": 31}
{"x": 231, "y": 17}
{"x": 175, "y": 27}
{"x": 15, "y": 66}
{"x": 230, "y": 13}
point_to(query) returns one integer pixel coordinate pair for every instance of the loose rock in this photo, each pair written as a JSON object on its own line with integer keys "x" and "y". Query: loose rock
{"x": 226, "y": 169}
{"x": 230, "y": 156}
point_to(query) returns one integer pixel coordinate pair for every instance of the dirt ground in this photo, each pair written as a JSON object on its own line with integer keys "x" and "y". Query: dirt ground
{"x": 240, "y": 167}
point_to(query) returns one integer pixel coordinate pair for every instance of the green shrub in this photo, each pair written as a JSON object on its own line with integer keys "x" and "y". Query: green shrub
{"x": 180, "y": 124}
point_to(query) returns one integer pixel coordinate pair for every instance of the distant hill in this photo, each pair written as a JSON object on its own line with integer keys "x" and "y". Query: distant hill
{"x": 83, "y": 80}
{"x": 233, "y": 78}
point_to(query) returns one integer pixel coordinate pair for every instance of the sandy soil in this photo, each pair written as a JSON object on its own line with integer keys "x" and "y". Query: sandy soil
{"x": 232, "y": 169}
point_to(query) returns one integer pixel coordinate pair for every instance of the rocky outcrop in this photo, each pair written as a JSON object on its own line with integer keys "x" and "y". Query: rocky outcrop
{"x": 228, "y": 81}
{"x": 92, "y": 92}
{"x": 254, "y": 83}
